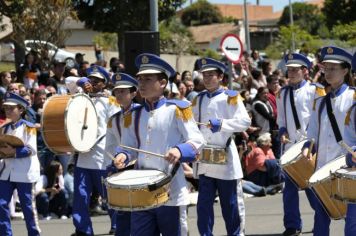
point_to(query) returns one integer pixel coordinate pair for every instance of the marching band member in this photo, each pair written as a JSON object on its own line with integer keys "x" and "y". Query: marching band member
{"x": 160, "y": 126}
{"x": 224, "y": 113}
{"x": 22, "y": 169}
{"x": 294, "y": 106}
{"x": 124, "y": 91}
{"x": 91, "y": 166}
{"x": 327, "y": 120}
{"x": 350, "y": 140}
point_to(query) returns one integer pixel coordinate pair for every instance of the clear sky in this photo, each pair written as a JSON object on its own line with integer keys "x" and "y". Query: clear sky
{"x": 278, "y": 5}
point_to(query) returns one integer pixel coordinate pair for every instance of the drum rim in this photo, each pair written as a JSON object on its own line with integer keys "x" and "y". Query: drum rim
{"x": 293, "y": 160}
{"x": 344, "y": 175}
{"x": 137, "y": 186}
{"x": 330, "y": 175}
{"x": 65, "y": 121}
{"x": 136, "y": 208}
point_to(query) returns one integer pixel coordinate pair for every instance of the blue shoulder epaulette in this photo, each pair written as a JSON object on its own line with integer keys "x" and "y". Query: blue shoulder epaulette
{"x": 179, "y": 103}
{"x": 231, "y": 93}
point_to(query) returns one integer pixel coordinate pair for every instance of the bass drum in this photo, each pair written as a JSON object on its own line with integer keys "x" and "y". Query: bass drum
{"x": 69, "y": 123}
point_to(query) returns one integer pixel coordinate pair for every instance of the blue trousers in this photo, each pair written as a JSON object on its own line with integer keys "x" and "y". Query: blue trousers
{"x": 123, "y": 223}
{"x": 350, "y": 224}
{"x": 228, "y": 201}
{"x": 58, "y": 204}
{"x": 162, "y": 220}
{"x": 84, "y": 181}
{"x": 292, "y": 219}
{"x": 26, "y": 196}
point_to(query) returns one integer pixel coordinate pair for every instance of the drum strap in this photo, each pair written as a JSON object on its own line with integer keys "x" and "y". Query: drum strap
{"x": 137, "y": 123}
{"x": 332, "y": 119}
{"x": 118, "y": 123}
{"x": 200, "y": 102}
{"x": 285, "y": 108}
{"x": 294, "y": 110}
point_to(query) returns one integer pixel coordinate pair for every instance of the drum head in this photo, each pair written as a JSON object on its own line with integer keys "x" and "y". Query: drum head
{"x": 328, "y": 168}
{"x": 135, "y": 178}
{"x": 293, "y": 152}
{"x": 349, "y": 173}
{"x": 81, "y": 123}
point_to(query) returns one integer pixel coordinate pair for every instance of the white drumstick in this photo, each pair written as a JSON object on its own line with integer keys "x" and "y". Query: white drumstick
{"x": 142, "y": 151}
{"x": 200, "y": 123}
{"x": 348, "y": 148}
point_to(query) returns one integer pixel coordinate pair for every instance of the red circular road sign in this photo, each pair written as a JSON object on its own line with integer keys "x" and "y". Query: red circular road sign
{"x": 232, "y": 47}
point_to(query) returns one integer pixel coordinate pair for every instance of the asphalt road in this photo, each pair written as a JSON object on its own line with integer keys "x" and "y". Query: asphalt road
{"x": 264, "y": 216}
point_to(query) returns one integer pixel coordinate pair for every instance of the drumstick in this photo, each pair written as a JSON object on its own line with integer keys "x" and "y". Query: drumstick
{"x": 200, "y": 123}
{"x": 142, "y": 151}
{"x": 85, "y": 126}
{"x": 312, "y": 141}
{"x": 349, "y": 149}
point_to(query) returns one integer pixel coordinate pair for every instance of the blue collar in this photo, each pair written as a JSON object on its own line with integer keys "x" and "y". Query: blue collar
{"x": 338, "y": 91}
{"x": 158, "y": 104}
{"x": 216, "y": 92}
{"x": 299, "y": 85}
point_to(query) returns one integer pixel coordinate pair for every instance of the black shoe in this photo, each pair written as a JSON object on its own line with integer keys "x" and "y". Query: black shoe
{"x": 292, "y": 232}
{"x": 78, "y": 233}
{"x": 112, "y": 231}
{"x": 273, "y": 189}
{"x": 98, "y": 211}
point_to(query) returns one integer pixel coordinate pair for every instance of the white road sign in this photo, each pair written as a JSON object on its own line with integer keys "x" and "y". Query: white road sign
{"x": 232, "y": 47}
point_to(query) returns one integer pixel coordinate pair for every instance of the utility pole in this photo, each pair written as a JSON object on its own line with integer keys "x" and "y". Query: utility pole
{"x": 292, "y": 24}
{"x": 247, "y": 30}
{"x": 154, "y": 15}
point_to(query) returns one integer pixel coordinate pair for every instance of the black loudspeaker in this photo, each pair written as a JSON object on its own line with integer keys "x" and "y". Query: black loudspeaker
{"x": 137, "y": 42}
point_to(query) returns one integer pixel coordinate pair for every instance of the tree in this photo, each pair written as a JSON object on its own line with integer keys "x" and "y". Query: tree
{"x": 339, "y": 12}
{"x": 37, "y": 20}
{"x": 303, "y": 41}
{"x": 306, "y": 16}
{"x": 120, "y": 16}
{"x": 201, "y": 13}
{"x": 346, "y": 32}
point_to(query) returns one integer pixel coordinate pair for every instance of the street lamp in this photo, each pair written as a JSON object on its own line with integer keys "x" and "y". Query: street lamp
{"x": 247, "y": 31}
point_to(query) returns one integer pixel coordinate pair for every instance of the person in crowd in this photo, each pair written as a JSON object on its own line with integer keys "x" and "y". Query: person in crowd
{"x": 5, "y": 80}
{"x": 79, "y": 59}
{"x": 91, "y": 166}
{"x": 21, "y": 169}
{"x": 224, "y": 113}
{"x": 50, "y": 193}
{"x": 261, "y": 165}
{"x": 30, "y": 70}
{"x": 190, "y": 93}
{"x": 327, "y": 120}
{"x": 167, "y": 127}
{"x": 294, "y": 106}
{"x": 58, "y": 80}
{"x": 182, "y": 91}
{"x": 263, "y": 112}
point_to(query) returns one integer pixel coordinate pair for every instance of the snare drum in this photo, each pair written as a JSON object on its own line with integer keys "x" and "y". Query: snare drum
{"x": 69, "y": 123}
{"x": 345, "y": 189}
{"x": 322, "y": 182}
{"x": 212, "y": 154}
{"x": 297, "y": 167}
{"x": 136, "y": 190}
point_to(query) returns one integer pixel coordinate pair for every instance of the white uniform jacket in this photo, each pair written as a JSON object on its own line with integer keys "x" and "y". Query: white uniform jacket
{"x": 350, "y": 132}
{"x": 229, "y": 108}
{"x": 24, "y": 167}
{"x": 94, "y": 159}
{"x": 168, "y": 124}
{"x": 320, "y": 127}
{"x": 304, "y": 95}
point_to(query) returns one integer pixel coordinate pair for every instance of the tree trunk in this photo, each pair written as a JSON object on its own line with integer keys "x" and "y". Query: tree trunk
{"x": 19, "y": 59}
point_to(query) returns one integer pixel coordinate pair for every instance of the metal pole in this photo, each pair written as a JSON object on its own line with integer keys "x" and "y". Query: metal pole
{"x": 230, "y": 75}
{"x": 154, "y": 15}
{"x": 292, "y": 24}
{"x": 247, "y": 31}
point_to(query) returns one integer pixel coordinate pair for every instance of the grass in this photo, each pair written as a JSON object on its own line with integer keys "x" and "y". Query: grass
{"x": 7, "y": 66}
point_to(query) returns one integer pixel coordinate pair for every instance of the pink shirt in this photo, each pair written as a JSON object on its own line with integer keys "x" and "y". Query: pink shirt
{"x": 256, "y": 159}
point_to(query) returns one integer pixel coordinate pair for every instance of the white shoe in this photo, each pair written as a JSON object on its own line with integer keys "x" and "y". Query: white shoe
{"x": 64, "y": 217}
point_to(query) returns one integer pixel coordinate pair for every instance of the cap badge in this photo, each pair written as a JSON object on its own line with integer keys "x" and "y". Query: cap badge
{"x": 330, "y": 51}
{"x": 118, "y": 77}
{"x": 145, "y": 60}
{"x": 290, "y": 57}
{"x": 203, "y": 62}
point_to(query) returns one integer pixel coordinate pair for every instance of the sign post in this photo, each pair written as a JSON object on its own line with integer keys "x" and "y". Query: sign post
{"x": 231, "y": 46}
